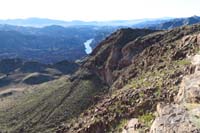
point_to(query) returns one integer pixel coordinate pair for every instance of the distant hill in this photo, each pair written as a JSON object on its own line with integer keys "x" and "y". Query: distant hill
{"x": 175, "y": 23}
{"x": 17, "y": 71}
{"x": 49, "y": 44}
{"x": 36, "y": 22}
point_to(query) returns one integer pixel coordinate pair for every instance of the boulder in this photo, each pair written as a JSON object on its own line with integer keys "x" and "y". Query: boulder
{"x": 189, "y": 91}
{"x": 132, "y": 126}
{"x": 173, "y": 118}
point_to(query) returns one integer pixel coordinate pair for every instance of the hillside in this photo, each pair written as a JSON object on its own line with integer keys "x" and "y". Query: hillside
{"x": 121, "y": 81}
{"x": 14, "y": 72}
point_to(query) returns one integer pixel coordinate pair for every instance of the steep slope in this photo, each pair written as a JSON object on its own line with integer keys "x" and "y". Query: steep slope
{"x": 108, "y": 57}
{"x": 118, "y": 52}
{"x": 42, "y": 108}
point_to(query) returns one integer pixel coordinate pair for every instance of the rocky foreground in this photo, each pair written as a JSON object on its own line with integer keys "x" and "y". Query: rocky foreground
{"x": 184, "y": 114}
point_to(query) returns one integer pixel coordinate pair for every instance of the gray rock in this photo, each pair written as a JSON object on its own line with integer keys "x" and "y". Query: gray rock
{"x": 173, "y": 119}
{"x": 184, "y": 116}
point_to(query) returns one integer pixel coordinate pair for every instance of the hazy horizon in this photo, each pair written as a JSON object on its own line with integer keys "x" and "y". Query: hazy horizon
{"x": 90, "y": 20}
{"x": 96, "y": 10}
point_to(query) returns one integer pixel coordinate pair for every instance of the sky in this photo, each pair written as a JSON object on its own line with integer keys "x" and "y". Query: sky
{"x": 98, "y": 10}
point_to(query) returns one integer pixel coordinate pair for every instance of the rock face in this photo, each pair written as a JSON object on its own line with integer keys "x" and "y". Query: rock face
{"x": 190, "y": 89}
{"x": 173, "y": 119}
{"x": 112, "y": 54}
{"x": 184, "y": 116}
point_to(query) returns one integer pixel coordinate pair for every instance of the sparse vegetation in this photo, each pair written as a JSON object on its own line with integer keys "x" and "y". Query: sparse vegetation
{"x": 50, "y": 103}
{"x": 118, "y": 128}
{"x": 147, "y": 118}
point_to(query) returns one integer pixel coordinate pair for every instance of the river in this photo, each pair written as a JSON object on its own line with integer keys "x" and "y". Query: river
{"x": 88, "y": 48}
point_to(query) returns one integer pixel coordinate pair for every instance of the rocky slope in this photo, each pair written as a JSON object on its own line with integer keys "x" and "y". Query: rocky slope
{"x": 152, "y": 75}
{"x": 184, "y": 114}
{"x": 111, "y": 55}
{"x": 124, "y": 79}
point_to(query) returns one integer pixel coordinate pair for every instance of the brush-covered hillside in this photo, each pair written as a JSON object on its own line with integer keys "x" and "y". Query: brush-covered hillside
{"x": 121, "y": 87}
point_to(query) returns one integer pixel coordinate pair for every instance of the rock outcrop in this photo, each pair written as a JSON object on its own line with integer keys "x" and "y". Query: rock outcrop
{"x": 184, "y": 115}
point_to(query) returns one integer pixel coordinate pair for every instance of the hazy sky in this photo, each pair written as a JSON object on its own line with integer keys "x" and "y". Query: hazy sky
{"x": 98, "y": 9}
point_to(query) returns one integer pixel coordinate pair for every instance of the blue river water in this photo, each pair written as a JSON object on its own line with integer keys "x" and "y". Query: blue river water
{"x": 88, "y": 48}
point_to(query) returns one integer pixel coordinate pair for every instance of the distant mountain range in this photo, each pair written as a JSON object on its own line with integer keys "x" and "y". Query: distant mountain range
{"x": 158, "y": 23}
{"x": 41, "y": 22}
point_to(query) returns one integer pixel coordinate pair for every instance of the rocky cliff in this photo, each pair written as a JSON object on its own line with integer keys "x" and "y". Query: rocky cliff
{"x": 112, "y": 55}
